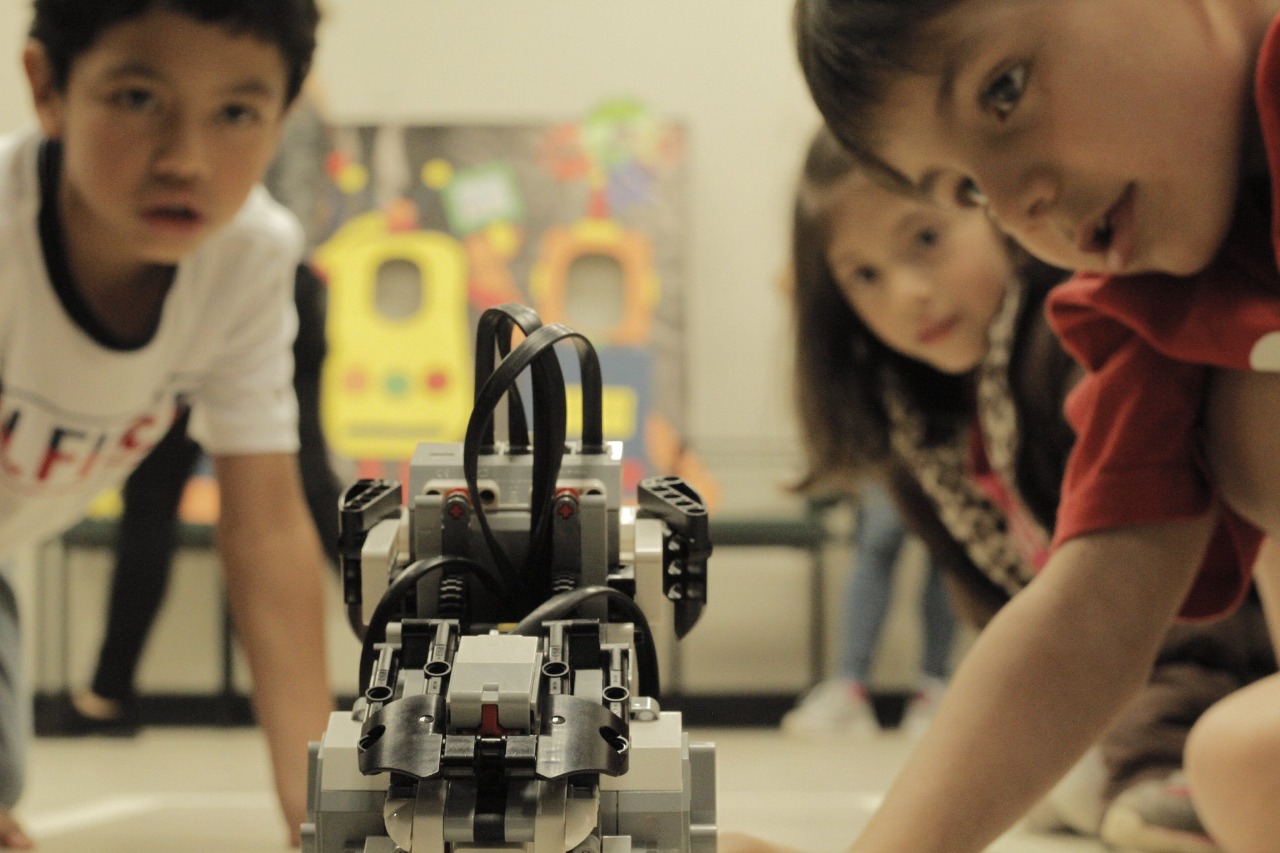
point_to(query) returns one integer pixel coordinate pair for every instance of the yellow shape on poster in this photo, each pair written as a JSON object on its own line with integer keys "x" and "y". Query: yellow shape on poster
{"x": 352, "y": 178}
{"x": 107, "y": 504}
{"x": 619, "y": 404}
{"x": 437, "y": 173}
{"x": 397, "y": 372}
{"x": 504, "y": 238}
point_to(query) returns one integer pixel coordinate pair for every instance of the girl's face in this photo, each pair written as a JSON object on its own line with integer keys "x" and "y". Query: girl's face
{"x": 926, "y": 280}
{"x": 1102, "y": 136}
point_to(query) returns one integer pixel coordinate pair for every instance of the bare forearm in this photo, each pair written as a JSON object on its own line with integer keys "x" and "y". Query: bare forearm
{"x": 1041, "y": 683}
{"x": 278, "y": 606}
{"x": 275, "y": 570}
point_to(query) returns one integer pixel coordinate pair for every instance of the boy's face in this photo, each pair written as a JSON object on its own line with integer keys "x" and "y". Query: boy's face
{"x": 926, "y": 280}
{"x": 1102, "y": 136}
{"x": 166, "y": 124}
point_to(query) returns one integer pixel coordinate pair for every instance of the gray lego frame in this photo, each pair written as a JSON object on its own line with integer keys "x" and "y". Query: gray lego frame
{"x": 486, "y": 725}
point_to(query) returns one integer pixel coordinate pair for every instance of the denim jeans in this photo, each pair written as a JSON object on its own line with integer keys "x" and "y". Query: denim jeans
{"x": 879, "y": 536}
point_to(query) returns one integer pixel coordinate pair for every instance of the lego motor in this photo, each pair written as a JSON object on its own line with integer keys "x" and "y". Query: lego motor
{"x": 510, "y": 609}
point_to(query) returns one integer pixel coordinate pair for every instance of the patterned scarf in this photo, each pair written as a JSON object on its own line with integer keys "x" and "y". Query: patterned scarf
{"x": 944, "y": 470}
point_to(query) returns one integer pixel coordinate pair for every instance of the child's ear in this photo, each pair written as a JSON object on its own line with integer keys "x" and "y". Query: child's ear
{"x": 45, "y": 96}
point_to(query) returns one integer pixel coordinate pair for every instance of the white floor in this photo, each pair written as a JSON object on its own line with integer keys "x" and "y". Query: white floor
{"x": 816, "y": 795}
{"x": 208, "y": 791}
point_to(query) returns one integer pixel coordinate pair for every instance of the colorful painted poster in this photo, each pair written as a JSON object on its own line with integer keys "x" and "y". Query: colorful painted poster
{"x": 426, "y": 226}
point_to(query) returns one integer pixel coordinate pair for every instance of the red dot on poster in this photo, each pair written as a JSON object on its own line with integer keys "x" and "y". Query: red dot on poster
{"x": 356, "y": 380}
{"x": 437, "y": 380}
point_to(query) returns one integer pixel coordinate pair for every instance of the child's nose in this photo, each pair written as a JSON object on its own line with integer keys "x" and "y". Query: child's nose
{"x": 182, "y": 152}
{"x": 915, "y": 285}
{"x": 1020, "y": 201}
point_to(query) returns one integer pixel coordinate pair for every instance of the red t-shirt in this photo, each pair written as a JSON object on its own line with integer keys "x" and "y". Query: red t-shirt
{"x": 1148, "y": 344}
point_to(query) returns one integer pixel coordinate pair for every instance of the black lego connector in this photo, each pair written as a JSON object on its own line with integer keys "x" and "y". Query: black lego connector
{"x": 364, "y": 504}
{"x": 685, "y": 552}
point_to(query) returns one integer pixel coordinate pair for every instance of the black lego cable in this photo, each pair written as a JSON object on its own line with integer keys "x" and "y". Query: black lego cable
{"x": 495, "y": 328}
{"x": 549, "y": 421}
{"x": 549, "y": 432}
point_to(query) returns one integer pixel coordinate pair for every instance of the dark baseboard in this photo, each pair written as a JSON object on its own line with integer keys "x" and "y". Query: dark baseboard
{"x": 234, "y": 710}
{"x": 765, "y": 710}
{"x": 759, "y": 710}
{"x": 179, "y": 709}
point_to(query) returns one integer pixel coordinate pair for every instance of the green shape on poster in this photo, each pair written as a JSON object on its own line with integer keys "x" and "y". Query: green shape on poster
{"x": 479, "y": 196}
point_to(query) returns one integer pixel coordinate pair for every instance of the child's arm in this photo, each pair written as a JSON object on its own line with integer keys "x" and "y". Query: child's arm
{"x": 1041, "y": 683}
{"x": 274, "y": 568}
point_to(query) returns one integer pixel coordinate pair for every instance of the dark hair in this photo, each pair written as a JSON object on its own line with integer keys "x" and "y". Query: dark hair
{"x": 851, "y": 50}
{"x": 67, "y": 28}
{"x": 841, "y": 366}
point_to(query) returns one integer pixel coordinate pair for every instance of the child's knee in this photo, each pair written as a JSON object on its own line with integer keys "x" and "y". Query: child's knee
{"x": 1232, "y": 762}
{"x": 1240, "y": 730}
{"x": 1211, "y": 746}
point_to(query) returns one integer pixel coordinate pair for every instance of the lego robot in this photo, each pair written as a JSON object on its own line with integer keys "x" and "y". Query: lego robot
{"x": 510, "y": 615}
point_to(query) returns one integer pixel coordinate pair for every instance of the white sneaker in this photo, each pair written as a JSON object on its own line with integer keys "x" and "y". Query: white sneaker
{"x": 832, "y": 707}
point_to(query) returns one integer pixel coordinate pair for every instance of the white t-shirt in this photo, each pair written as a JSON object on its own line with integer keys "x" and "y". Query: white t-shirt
{"x": 77, "y": 415}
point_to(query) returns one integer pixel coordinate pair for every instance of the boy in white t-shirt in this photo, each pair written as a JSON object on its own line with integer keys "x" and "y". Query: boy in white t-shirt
{"x": 142, "y": 269}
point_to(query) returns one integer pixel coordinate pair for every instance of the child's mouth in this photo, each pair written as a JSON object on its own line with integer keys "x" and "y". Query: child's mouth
{"x": 1102, "y": 234}
{"x": 1112, "y": 236}
{"x": 178, "y": 214}
{"x": 174, "y": 218}
{"x": 937, "y": 330}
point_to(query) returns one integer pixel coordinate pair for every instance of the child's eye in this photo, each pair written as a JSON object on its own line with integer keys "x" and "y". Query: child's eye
{"x": 864, "y": 276}
{"x": 968, "y": 194}
{"x": 238, "y": 114}
{"x": 1004, "y": 93}
{"x": 135, "y": 100}
{"x": 927, "y": 238}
